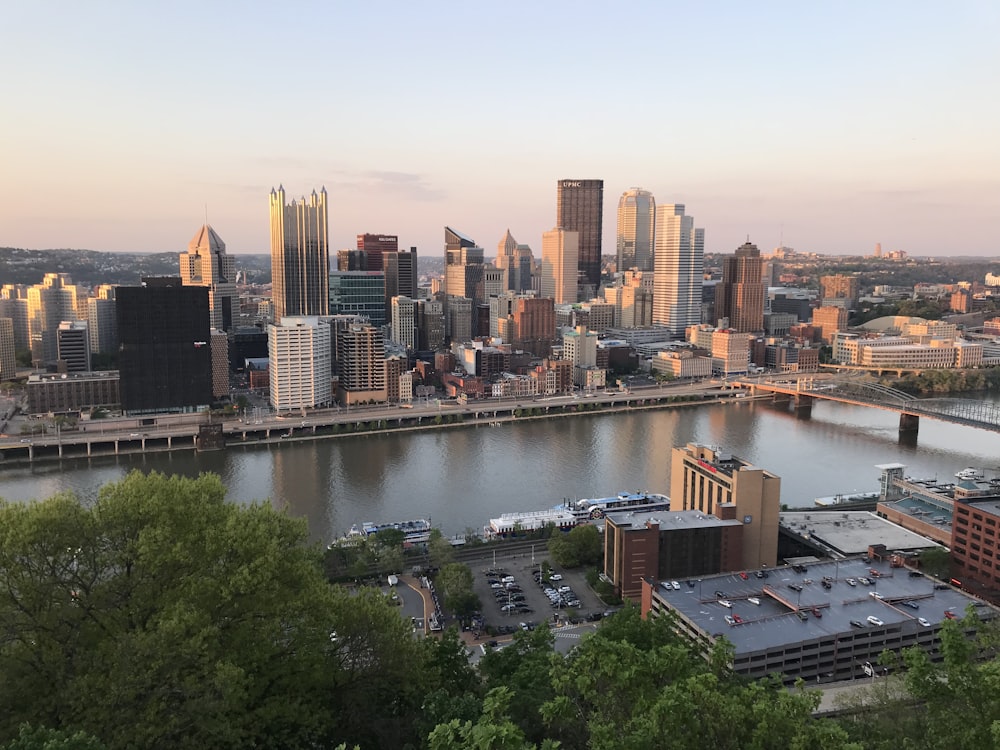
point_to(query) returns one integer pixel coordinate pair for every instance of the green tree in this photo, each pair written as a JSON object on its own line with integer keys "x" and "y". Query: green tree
{"x": 164, "y": 617}
{"x": 439, "y": 549}
{"x": 29, "y": 738}
{"x": 581, "y": 546}
{"x": 936, "y": 561}
{"x": 455, "y": 582}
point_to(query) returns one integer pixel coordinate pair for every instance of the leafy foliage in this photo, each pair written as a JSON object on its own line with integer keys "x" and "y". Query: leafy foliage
{"x": 582, "y": 545}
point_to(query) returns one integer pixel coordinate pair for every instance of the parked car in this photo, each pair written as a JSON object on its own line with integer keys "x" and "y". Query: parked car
{"x": 875, "y": 621}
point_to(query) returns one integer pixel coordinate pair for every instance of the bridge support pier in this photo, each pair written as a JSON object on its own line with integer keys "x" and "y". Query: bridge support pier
{"x": 803, "y": 405}
{"x": 909, "y": 423}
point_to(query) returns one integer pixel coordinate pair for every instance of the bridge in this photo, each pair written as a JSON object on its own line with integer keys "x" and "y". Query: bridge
{"x": 858, "y": 392}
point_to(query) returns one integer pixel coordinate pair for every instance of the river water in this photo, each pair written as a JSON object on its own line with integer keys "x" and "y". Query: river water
{"x": 461, "y": 477}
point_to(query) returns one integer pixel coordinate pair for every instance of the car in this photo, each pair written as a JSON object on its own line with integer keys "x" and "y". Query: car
{"x": 875, "y": 621}
{"x": 726, "y": 603}
{"x": 817, "y": 612}
{"x": 508, "y": 607}
{"x": 923, "y": 622}
{"x": 730, "y": 621}
{"x": 827, "y": 585}
{"x": 857, "y": 624}
{"x": 851, "y": 582}
{"x": 508, "y": 579}
{"x": 916, "y": 574}
{"x": 864, "y": 581}
{"x": 743, "y": 575}
{"x": 737, "y": 618}
{"x": 758, "y": 574}
{"x": 496, "y": 585}
{"x": 555, "y": 577}
{"x": 950, "y": 615}
{"x": 675, "y": 585}
{"x": 911, "y": 605}
{"x": 795, "y": 587}
{"x": 801, "y": 615}
{"x": 564, "y": 589}
{"x": 875, "y": 595}
{"x": 721, "y": 594}
{"x": 690, "y": 583}
{"x": 753, "y": 600}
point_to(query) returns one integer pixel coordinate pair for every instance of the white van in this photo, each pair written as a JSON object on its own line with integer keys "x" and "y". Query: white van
{"x": 873, "y": 620}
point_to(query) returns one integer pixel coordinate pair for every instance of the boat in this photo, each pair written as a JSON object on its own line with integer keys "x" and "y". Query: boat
{"x": 416, "y": 531}
{"x": 846, "y": 499}
{"x": 971, "y": 474}
{"x": 571, "y": 513}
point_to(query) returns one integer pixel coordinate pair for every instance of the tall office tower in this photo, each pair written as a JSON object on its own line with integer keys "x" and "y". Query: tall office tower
{"x": 430, "y": 324}
{"x": 828, "y": 319}
{"x": 206, "y": 264}
{"x": 560, "y": 257}
{"x": 533, "y": 325}
{"x": 400, "y": 269}
{"x": 361, "y": 365}
{"x": 102, "y": 325}
{"x": 14, "y": 305}
{"x": 458, "y": 318}
{"x": 50, "y": 303}
{"x": 219, "y": 344}
{"x": 359, "y": 293}
{"x": 463, "y": 266}
{"x": 678, "y": 270}
{"x": 878, "y": 249}
{"x": 703, "y": 478}
{"x": 73, "y": 346}
{"x": 351, "y": 260}
{"x": 516, "y": 261}
{"x": 493, "y": 282}
{"x": 300, "y": 255}
{"x": 840, "y": 286}
{"x": 375, "y": 247}
{"x": 636, "y": 230}
{"x": 164, "y": 354}
{"x": 404, "y": 322}
{"x": 580, "y": 208}
{"x": 8, "y": 361}
{"x": 739, "y": 297}
{"x": 298, "y": 352}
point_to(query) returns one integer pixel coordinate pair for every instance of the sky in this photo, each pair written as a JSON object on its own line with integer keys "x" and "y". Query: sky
{"x": 825, "y": 127}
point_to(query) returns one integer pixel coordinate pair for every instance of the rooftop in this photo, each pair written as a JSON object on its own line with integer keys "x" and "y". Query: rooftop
{"x": 666, "y": 519}
{"x": 851, "y": 532}
{"x": 773, "y": 622}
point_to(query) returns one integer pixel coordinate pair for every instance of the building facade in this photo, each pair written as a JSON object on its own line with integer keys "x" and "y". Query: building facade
{"x": 206, "y": 264}
{"x": 560, "y": 254}
{"x": 299, "y": 363}
{"x": 359, "y": 293}
{"x": 580, "y": 208}
{"x": 361, "y": 365}
{"x": 636, "y": 230}
{"x": 739, "y": 297}
{"x": 300, "y": 255}
{"x": 73, "y": 345}
{"x": 705, "y": 479}
{"x": 678, "y": 271}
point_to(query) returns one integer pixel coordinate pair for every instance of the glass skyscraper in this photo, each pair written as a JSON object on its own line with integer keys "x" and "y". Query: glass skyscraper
{"x": 300, "y": 255}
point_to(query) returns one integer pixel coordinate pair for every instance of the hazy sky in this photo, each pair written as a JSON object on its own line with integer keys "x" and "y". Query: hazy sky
{"x": 828, "y": 126}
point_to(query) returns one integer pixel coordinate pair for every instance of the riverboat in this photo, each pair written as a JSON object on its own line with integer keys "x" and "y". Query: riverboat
{"x": 971, "y": 474}
{"x": 847, "y": 499}
{"x": 571, "y": 513}
{"x": 416, "y": 531}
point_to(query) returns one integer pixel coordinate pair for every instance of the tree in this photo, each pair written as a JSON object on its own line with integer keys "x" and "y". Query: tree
{"x": 439, "y": 549}
{"x": 164, "y": 617}
{"x": 455, "y": 582}
{"x": 29, "y": 738}
{"x": 936, "y": 561}
{"x": 581, "y": 546}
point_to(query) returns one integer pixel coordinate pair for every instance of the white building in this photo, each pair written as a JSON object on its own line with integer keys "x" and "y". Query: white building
{"x": 636, "y": 229}
{"x": 299, "y": 360}
{"x": 404, "y": 322}
{"x": 560, "y": 261}
{"x": 678, "y": 270}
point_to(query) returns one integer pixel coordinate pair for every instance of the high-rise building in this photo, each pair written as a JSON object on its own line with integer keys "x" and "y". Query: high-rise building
{"x": 299, "y": 360}
{"x": 829, "y": 319}
{"x": 840, "y": 286}
{"x": 703, "y": 478}
{"x": 359, "y": 293}
{"x": 164, "y": 353}
{"x": 14, "y": 305}
{"x": 73, "y": 345}
{"x": 101, "y": 320}
{"x": 220, "y": 363}
{"x": 580, "y": 208}
{"x": 678, "y": 270}
{"x": 300, "y": 255}
{"x": 560, "y": 253}
{"x": 400, "y": 269}
{"x": 351, "y": 260}
{"x": 404, "y": 322}
{"x": 361, "y": 365}
{"x": 375, "y": 247}
{"x": 636, "y": 230}
{"x": 50, "y": 303}
{"x": 430, "y": 324}
{"x": 458, "y": 318}
{"x": 463, "y": 266}
{"x": 8, "y": 361}
{"x": 206, "y": 264}
{"x": 739, "y": 297}
{"x": 516, "y": 261}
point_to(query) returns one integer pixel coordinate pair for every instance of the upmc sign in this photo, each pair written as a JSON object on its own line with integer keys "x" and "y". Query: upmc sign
{"x": 569, "y": 183}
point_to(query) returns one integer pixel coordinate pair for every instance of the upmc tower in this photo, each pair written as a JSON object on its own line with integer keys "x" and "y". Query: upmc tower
{"x": 580, "y": 208}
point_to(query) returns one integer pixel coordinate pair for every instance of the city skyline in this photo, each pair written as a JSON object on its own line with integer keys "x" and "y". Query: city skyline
{"x": 825, "y": 129}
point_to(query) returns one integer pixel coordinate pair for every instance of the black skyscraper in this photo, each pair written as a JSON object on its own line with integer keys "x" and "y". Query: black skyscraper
{"x": 580, "y": 208}
{"x": 164, "y": 354}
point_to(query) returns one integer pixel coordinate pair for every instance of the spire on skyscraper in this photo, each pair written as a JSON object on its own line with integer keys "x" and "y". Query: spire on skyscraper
{"x": 507, "y": 245}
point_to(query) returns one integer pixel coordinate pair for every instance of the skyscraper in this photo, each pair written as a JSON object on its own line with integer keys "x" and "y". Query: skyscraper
{"x": 50, "y": 303}
{"x": 636, "y": 230}
{"x": 739, "y": 297}
{"x": 560, "y": 257}
{"x": 299, "y": 358}
{"x": 400, "y": 269}
{"x": 375, "y": 247}
{"x": 206, "y": 264}
{"x": 579, "y": 208}
{"x": 515, "y": 260}
{"x": 678, "y": 270}
{"x": 300, "y": 255}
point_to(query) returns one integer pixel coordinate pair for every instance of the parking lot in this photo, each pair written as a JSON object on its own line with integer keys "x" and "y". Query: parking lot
{"x": 512, "y": 592}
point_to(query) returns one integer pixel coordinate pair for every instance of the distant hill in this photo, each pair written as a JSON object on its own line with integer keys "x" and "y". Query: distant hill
{"x": 93, "y": 267}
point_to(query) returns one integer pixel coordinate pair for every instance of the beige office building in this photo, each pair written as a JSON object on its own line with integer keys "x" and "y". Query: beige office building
{"x": 704, "y": 478}
{"x": 206, "y": 264}
{"x": 300, "y": 255}
{"x": 560, "y": 260}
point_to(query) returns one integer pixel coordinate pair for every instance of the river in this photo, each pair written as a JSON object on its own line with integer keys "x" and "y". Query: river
{"x": 461, "y": 477}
